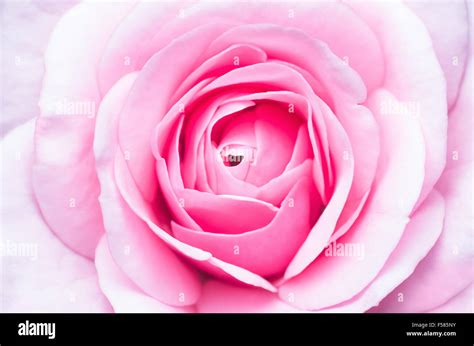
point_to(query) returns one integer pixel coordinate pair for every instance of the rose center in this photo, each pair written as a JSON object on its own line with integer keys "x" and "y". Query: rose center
{"x": 233, "y": 160}
{"x": 234, "y": 155}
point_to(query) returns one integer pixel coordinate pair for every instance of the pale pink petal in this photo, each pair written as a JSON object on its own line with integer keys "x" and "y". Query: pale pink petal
{"x": 122, "y": 293}
{"x": 450, "y": 39}
{"x": 413, "y": 75}
{"x": 26, "y": 28}
{"x": 460, "y": 150}
{"x": 65, "y": 181}
{"x": 131, "y": 36}
{"x": 419, "y": 237}
{"x": 448, "y": 267}
{"x": 461, "y": 303}
{"x": 69, "y": 100}
{"x": 363, "y": 133}
{"x": 235, "y": 56}
{"x": 301, "y": 150}
{"x": 71, "y": 67}
{"x": 39, "y": 273}
{"x": 276, "y": 189}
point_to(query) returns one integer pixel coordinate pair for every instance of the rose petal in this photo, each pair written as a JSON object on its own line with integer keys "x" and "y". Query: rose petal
{"x": 149, "y": 100}
{"x": 413, "y": 75}
{"x": 70, "y": 67}
{"x": 250, "y": 250}
{"x": 462, "y": 303}
{"x": 122, "y": 293}
{"x": 450, "y": 40}
{"x": 139, "y": 206}
{"x": 344, "y": 170}
{"x": 216, "y": 213}
{"x": 26, "y": 29}
{"x": 65, "y": 182}
{"x": 290, "y": 45}
{"x": 215, "y": 299}
{"x": 69, "y": 204}
{"x": 140, "y": 254}
{"x": 354, "y": 41}
{"x": 400, "y": 173}
{"x": 39, "y": 273}
{"x": 419, "y": 237}
{"x": 448, "y": 267}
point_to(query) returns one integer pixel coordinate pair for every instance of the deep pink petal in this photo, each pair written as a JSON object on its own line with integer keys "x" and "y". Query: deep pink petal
{"x": 217, "y": 213}
{"x": 149, "y": 100}
{"x": 281, "y": 237}
{"x": 325, "y": 225}
{"x": 291, "y": 45}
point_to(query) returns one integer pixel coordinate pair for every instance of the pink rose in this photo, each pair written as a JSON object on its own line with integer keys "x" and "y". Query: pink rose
{"x": 241, "y": 157}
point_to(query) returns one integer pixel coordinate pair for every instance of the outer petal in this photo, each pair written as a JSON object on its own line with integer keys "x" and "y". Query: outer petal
{"x": 51, "y": 278}
{"x": 70, "y": 66}
{"x": 419, "y": 237}
{"x": 448, "y": 268}
{"x": 65, "y": 181}
{"x": 122, "y": 293}
{"x": 69, "y": 100}
{"x": 463, "y": 302}
{"x": 450, "y": 39}
{"x": 26, "y": 27}
{"x": 412, "y": 74}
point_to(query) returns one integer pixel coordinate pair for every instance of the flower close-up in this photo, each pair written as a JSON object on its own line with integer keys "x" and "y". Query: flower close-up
{"x": 237, "y": 156}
